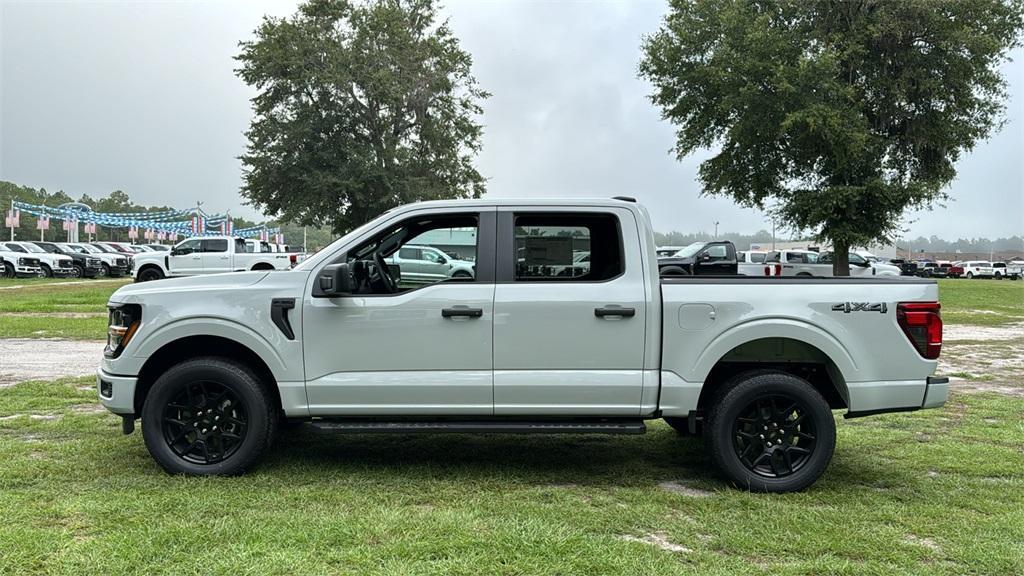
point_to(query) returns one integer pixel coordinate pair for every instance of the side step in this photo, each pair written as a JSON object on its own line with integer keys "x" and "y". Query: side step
{"x": 482, "y": 427}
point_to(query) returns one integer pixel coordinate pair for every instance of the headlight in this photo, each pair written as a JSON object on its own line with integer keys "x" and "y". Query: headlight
{"x": 123, "y": 321}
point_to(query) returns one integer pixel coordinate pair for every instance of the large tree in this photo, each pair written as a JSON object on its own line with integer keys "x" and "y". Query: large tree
{"x": 840, "y": 114}
{"x": 361, "y": 106}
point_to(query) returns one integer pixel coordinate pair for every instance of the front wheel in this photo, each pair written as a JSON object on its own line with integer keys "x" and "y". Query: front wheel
{"x": 46, "y": 272}
{"x": 150, "y": 273}
{"x": 674, "y": 271}
{"x": 771, "y": 432}
{"x": 77, "y": 271}
{"x": 9, "y": 271}
{"x": 105, "y": 271}
{"x": 208, "y": 416}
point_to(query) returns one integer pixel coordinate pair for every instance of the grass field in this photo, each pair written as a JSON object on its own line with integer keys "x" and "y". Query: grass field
{"x": 930, "y": 492}
{"x": 48, "y": 308}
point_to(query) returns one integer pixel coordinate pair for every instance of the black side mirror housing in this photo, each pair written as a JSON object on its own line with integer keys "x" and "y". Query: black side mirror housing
{"x": 334, "y": 281}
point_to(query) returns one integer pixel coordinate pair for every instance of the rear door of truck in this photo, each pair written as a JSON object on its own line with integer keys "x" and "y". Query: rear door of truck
{"x": 569, "y": 344}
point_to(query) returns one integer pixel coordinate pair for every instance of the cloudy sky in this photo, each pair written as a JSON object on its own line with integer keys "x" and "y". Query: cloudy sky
{"x": 141, "y": 96}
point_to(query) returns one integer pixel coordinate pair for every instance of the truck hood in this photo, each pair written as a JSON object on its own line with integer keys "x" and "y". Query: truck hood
{"x": 224, "y": 281}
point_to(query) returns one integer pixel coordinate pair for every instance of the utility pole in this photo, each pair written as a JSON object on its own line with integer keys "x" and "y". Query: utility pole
{"x": 773, "y": 234}
{"x": 304, "y": 249}
{"x": 716, "y": 229}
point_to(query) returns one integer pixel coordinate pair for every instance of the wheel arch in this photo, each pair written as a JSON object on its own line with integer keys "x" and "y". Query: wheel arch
{"x": 785, "y": 344}
{"x": 193, "y": 346}
{"x": 262, "y": 266}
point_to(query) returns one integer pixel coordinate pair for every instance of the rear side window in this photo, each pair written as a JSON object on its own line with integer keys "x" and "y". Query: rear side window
{"x": 215, "y": 245}
{"x": 773, "y": 257}
{"x": 567, "y": 247}
{"x": 410, "y": 254}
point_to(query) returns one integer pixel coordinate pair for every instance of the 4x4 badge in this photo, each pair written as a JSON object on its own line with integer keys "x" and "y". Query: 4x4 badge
{"x": 847, "y": 307}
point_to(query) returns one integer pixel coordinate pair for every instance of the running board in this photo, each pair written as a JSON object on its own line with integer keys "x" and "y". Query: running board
{"x": 484, "y": 427}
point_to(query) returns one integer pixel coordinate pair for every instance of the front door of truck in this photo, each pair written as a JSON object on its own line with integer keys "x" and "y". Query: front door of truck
{"x": 569, "y": 344}
{"x": 422, "y": 349}
{"x": 186, "y": 258}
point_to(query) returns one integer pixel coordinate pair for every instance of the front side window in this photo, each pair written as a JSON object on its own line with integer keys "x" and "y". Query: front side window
{"x": 717, "y": 252}
{"x": 189, "y": 246}
{"x": 567, "y": 247}
{"x": 400, "y": 258}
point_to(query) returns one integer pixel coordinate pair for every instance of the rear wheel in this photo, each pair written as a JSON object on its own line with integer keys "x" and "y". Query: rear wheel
{"x": 208, "y": 416}
{"x": 771, "y": 432}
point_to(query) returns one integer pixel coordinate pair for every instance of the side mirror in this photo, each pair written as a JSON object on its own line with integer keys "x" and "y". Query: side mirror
{"x": 864, "y": 264}
{"x": 442, "y": 260}
{"x": 334, "y": 281}
{"x": 179, "y": 251}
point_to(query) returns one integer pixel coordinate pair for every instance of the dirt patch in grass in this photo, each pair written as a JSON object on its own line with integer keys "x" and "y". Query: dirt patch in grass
{"x": 971, "y": 332}
{"x": 684, "y": 490}
{"x": 659, "y": 539}
{"x": 29, "y": 359}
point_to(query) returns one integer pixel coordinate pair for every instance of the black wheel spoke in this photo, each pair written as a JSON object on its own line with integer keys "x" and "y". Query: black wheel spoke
{"x": 204, "y": 423}
{"x": 785, "y": 439}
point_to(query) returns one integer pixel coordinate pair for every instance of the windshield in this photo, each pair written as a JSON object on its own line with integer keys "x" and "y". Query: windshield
{"x": 103, "y": 248}
{"x": 14, "y": 247}
{"x": 87, "y": 248}
{"x": 32, "y": 248}
{"x": 690, "y": 250}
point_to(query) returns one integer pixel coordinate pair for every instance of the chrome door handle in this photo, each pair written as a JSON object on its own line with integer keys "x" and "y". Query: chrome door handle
{"x": 614, "y": 311}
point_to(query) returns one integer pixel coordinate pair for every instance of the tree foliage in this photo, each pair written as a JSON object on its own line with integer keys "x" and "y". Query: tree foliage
{"x": 842, "y": 114}
{"x": 362, "y": 106}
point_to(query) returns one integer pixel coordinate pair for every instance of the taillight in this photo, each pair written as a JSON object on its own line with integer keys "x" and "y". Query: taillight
{"x": 922, "y": 324}
{"x": 293, "y": 258}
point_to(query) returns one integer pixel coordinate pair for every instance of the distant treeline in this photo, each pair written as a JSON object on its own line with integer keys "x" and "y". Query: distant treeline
{"x": 118, "y": 201}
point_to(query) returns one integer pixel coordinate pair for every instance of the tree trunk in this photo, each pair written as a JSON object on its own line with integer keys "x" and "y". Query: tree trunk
{"x": 841, "y": 258}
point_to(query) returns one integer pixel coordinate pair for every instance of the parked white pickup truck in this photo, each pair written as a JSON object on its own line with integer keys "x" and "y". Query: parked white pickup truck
{"x": 756, "y": 364}
{"x": 207, "y": 255}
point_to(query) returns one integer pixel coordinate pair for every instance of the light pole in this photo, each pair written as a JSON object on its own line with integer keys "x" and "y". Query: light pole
{"x": 716, "y": 229}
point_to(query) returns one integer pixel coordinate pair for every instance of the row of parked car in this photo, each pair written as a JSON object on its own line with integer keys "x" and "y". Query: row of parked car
{"x": 723, "y": 258}
{"x": 25, "y": 259}
{"x": 1013, "y": 270}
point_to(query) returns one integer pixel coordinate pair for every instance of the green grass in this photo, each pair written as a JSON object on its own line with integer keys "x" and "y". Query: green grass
{"x": 45, "y": 308}
{"x": 981, "y": 302}
{"x": 933, "y": 492}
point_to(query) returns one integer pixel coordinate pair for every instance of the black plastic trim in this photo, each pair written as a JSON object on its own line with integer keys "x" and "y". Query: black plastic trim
{"x": 279, "y": 308}
{"x": 937, "y": 380}
{"x": 481, "y": 427}
{"x": 462, "y": 312}
{"x": 864, "y": 413}
{"x": 615, "y": 311}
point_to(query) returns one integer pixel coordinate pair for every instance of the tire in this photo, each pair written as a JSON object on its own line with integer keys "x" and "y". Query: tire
{"x": 970, "y": 275}
{"x": 104, "y": 271}
{"x": 239, "y": 423}
{"x": 805, "y": 275}
{"x": 77, "y": 271}
{"x": 749, "y": 409}
{"x": 674, "y": 271}
{"x": 46, "y": 272}
{"x": 999, "y": 276}
{"x": 462, "y": 274}
{"x": 150, "y": 273}
{"x": 9, "y": 271}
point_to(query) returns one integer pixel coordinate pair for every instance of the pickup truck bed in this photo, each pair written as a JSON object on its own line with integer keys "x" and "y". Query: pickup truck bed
{"x": 565, "y": 326}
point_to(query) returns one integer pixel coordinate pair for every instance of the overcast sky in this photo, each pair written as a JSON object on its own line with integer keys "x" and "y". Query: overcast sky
{"x": 142, "y": 97}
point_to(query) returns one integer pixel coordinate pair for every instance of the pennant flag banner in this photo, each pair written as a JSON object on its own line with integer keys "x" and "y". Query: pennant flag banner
{"x": 13, "y": 219}
{"x": 43, "y": 223}
{"x": 169, "y": 223}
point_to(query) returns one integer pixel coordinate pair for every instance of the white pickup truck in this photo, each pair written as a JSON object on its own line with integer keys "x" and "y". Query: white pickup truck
{"x": 207, "y": 255}
{"x": 213, "y": 365}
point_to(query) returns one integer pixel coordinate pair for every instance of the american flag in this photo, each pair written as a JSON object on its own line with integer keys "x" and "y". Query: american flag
{"x": 43, "y": 223}
{"x": 198, "y": 225}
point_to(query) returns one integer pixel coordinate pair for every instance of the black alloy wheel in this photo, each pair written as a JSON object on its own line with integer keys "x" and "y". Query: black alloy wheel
{"x": 773, "y": 436}
{"x": 205, "y": 423}
{"x": 770, "y": 431}
{"x": 209, "y": 416}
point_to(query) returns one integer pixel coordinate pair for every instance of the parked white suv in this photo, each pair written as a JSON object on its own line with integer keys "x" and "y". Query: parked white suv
{"x": 426, "y": 264}
{"x": 978, "y": 269}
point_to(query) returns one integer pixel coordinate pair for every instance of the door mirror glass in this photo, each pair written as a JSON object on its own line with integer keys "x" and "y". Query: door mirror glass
{"x": 334, "y": 281}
